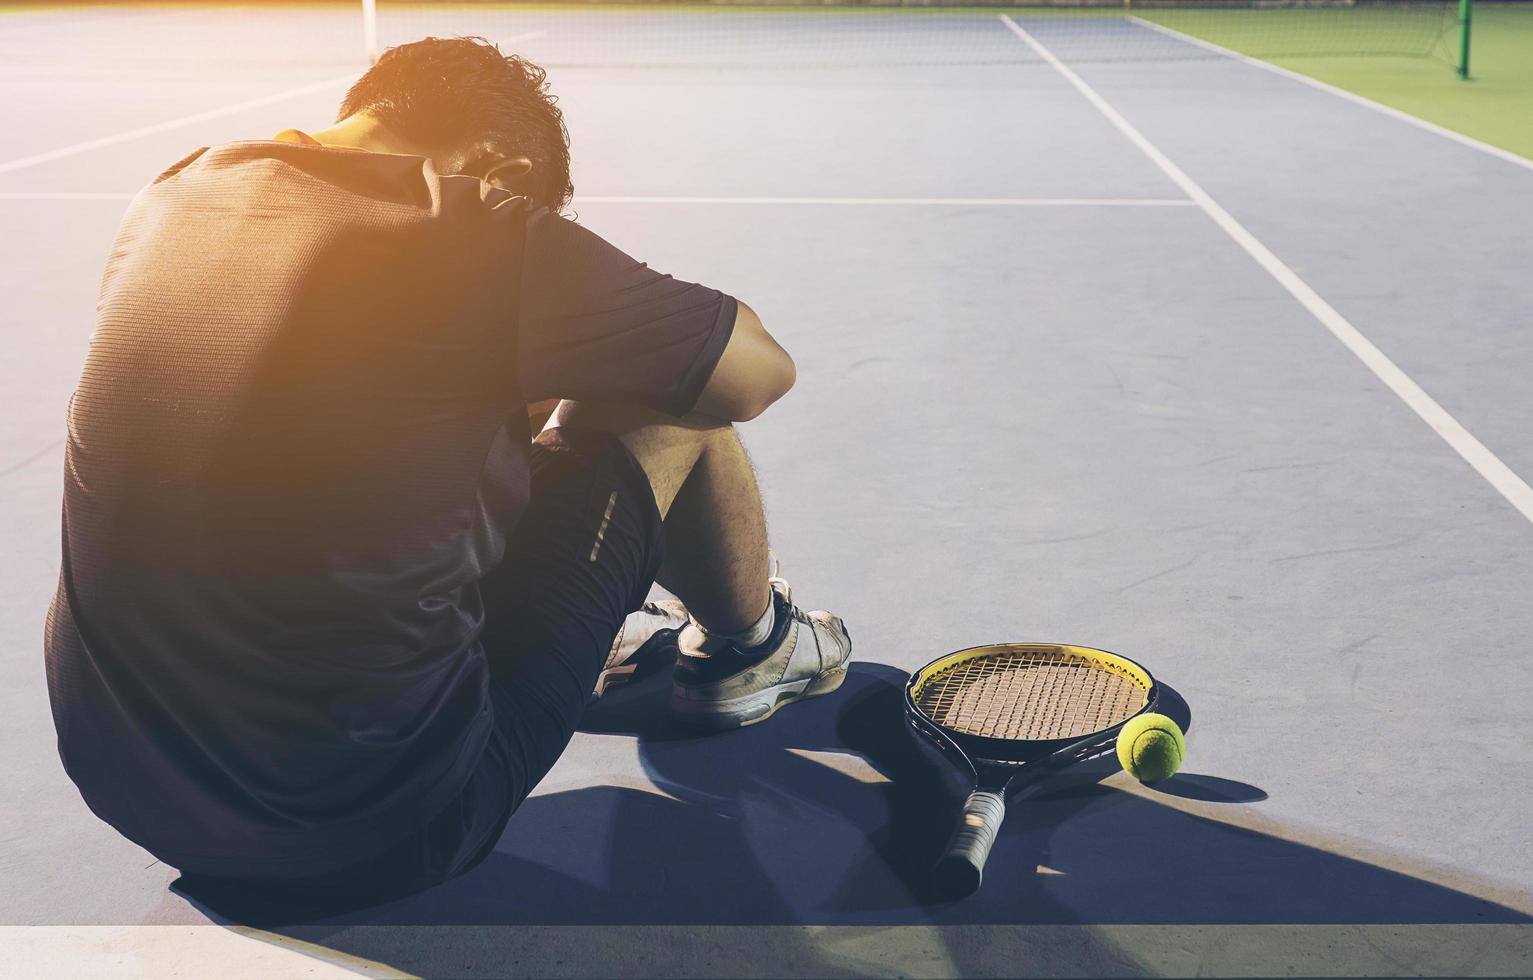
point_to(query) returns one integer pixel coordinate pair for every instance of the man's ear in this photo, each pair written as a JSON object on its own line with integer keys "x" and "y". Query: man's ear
{"x": 509, "y": 173}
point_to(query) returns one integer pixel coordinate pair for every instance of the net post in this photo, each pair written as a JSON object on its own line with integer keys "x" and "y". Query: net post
{"x": 370, "y": 29}
{"x": 1465, "y": 17}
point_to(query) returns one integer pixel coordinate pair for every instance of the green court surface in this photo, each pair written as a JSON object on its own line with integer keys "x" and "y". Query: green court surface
{"x": 1495, "y": 105}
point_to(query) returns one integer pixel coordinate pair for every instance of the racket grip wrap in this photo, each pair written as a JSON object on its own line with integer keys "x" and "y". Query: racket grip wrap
{"x": 962, "y": 866}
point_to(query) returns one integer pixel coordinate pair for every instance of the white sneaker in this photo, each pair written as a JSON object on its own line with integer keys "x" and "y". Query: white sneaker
{"x": 721, "y": 685}
{"x": 645, "y": 633}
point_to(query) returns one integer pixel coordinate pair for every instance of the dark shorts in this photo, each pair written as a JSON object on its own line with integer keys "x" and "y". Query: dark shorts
{"x": 584, "y": 556}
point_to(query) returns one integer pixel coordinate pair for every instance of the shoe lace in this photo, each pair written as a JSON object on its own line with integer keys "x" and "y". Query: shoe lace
{"x": 777, "y": 582}
{"x": 781, "y": 585}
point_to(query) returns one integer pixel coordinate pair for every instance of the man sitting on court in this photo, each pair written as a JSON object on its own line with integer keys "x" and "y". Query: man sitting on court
{"x": 328, "y": 611}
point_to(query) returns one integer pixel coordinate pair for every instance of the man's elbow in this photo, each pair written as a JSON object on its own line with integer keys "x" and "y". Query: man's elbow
{"x": 774, "y": 381}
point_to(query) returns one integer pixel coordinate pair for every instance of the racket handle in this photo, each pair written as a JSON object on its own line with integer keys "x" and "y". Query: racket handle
{"x": 962, "y": 866}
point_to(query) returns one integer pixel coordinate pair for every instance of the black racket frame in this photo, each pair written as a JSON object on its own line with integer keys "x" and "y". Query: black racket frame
{"x": 1004, "y": 765}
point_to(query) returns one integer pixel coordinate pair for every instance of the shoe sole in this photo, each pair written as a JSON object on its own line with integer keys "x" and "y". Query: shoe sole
{"x": 754, "y": 708}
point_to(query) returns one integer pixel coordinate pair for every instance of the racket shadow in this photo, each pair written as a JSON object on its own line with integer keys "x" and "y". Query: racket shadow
{"x": 832, "y": 815}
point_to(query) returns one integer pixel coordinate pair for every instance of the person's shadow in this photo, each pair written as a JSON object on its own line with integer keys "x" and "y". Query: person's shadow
{"x": 832, "y": 814}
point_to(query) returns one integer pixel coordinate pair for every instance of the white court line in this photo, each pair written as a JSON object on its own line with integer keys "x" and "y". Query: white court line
{"x": 957, "y": 202}
{"x": 242, "y": 952}
{"x": 62, "y": 196}
{"x": 169, "y": 124}
{"x": 1353, "y": 97}
{"x": 1498, "y": 474}
{"x": 906, "y": 201}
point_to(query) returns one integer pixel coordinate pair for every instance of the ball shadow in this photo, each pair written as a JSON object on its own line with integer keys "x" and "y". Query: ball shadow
{"x": 1209, "y": 789}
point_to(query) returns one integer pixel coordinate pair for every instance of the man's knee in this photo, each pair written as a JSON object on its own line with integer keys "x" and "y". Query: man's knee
{"x": 667, "y": 448}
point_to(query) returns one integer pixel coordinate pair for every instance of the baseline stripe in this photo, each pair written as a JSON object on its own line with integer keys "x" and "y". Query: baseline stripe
{"x": 700, "y": 950}
{"x": 1352, "y": 97}
{"x": 956, "y": 202}
{"x": 1487, "y": 464}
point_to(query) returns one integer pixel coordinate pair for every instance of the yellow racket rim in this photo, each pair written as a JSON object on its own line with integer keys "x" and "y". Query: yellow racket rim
{"x": 1031, "y": 691}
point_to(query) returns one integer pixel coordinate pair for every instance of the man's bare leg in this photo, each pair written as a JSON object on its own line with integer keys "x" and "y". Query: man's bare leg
{"x": 748, "y": 650}
{"x": 716, "y": 537}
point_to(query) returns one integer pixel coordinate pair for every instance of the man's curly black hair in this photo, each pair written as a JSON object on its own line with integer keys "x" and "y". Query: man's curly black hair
{"x": 466, "y": 94}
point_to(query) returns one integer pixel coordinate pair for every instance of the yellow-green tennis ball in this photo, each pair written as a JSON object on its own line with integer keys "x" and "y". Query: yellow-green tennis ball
{"x": 1151, "y": 747}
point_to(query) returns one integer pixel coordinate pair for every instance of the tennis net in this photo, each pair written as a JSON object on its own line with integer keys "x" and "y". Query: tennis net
{"x": 802, "y": 35}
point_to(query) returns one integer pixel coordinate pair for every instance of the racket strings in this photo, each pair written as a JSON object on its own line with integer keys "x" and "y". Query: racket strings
{"x": 1030, "y": 694}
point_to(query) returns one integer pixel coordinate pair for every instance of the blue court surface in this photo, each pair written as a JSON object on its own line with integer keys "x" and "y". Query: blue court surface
{"x": 1102, "y": 338}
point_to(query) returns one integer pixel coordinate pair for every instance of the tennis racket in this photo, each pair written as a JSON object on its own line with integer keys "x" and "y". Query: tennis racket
{"x": 1009, "y": 714}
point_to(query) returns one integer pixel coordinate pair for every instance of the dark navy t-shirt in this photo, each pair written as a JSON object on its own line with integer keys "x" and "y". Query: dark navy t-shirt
{"x": 298, "y": 443}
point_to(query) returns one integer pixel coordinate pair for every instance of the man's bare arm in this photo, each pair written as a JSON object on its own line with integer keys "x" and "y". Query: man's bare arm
{"x": 753, "y": 372}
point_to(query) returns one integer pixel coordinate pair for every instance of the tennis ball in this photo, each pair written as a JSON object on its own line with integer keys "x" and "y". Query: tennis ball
{"x": 1151, "y": 747}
